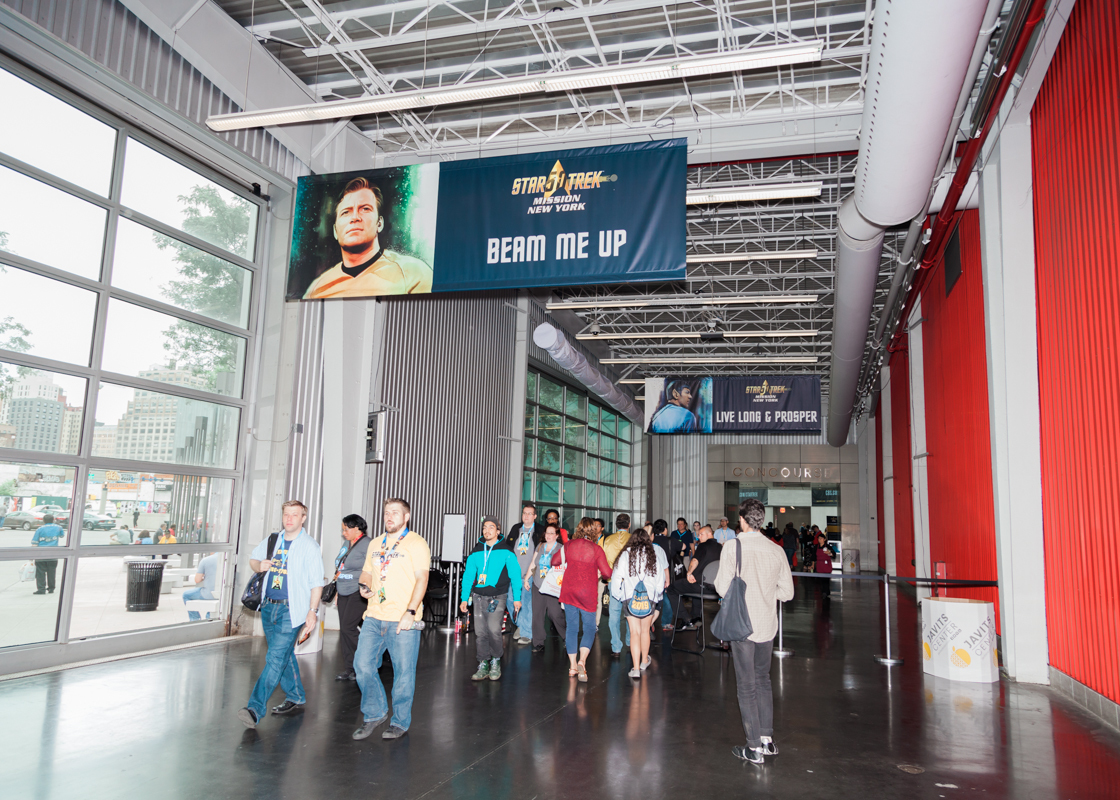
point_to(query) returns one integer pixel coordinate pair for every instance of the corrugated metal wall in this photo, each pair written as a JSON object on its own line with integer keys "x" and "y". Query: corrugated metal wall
{"x": 305, "y": 448}
{"x": 449, "y": 367}
{"x": 958, "y": 436}
{"x": 1075, "y": 128}
{"x": 903, "y": 462}
{"x": 108, "y": 33}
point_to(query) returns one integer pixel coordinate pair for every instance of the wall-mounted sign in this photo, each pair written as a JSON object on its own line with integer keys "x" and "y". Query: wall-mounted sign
{"x": 826, "y": 495}
{"x": 611, "y": 214}
{"x": 759, "y": 493}
{"x": 764, "y": 404}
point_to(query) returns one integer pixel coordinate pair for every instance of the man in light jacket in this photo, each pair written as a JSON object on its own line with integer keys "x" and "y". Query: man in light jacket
{"x": 767, "y": 576}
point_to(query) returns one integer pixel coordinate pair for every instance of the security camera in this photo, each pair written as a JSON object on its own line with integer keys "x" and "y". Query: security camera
{"x": 594, "y": 330}
{"x": 712, "y": 323}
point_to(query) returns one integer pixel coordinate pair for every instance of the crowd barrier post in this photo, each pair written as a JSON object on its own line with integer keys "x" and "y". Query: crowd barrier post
{"x": 887, "y": 660}
{"x": 781, "y": 651}
{"x": 452, "y": 606}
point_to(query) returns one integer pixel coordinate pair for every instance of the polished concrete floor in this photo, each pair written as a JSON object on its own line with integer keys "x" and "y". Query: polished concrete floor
{"x": 164, "y": 726}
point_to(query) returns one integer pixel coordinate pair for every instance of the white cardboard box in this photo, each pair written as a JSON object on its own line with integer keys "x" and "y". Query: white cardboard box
{"x": 959, "y": 639}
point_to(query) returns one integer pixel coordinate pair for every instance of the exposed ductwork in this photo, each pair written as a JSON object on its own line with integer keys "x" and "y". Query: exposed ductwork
{"x": 920, "y": 55}
{"x": 549, "y": 338}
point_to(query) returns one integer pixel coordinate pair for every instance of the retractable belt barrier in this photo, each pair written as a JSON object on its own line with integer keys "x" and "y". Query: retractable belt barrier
{"x": 886, "y": 659}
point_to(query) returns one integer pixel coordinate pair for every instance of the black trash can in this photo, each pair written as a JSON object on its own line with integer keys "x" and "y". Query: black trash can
{"x": 144, "y": 581}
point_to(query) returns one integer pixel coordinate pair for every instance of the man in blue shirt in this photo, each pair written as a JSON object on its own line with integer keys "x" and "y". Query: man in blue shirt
{"x": 674, "y": 416}
{"x": 491, "y": 572}
{"x": 206, "y": 581}
{"x": 46, "y": 535}
{"x": 293, "y": 587}
{"x": 523, "y": 539}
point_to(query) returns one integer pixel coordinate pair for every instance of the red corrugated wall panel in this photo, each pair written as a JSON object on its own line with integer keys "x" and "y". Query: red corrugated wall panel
{"x": 879, "y": 521}
{"x": 958, "y": 438}
{"x": 1075, "y": 130}
{"x": 903, "y": 461}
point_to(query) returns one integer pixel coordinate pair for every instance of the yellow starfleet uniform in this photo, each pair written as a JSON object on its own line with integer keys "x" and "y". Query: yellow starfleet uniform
{"x": 392, "y": 273}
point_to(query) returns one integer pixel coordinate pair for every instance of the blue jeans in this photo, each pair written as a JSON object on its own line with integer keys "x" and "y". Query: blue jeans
{"x": 376, "y": 637}
{"x": 525, "y": 617}
{"x": 197, "y": 593}
{"x": 614, "y": 623}
{"x": 280, "y": 665}
{"x": 572, "y": 637}
{"x": 666, "y": 610}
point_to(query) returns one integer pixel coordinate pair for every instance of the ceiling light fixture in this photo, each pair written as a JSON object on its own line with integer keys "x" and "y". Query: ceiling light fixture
{"x": 779, "y": 255}
{"x": 692, "y": 300}
{"x": 746, "y": 194}
{"x": 657, "y": 70}
{"x": 712, "y": 360}
{"x": 696, "y": 334}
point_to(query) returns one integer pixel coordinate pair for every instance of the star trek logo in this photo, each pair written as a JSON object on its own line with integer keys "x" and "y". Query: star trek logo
{"x": 766, "y": 390}
{"x": 559, "y": 181}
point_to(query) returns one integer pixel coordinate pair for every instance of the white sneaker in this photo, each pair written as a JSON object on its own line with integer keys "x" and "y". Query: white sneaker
{"x": 524, "y": 640}
{"x": 646, "y": 663}
{"x": 635, "y": 673}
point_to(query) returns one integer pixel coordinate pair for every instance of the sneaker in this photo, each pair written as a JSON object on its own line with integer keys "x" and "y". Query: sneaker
{"x": 483, "y": 671}
{"x": 248, "y": 716}
{"x": 538, "y": 648}
{"x": 748, "y": 754}
{"x": 667, "y": 628}
{"x": 768, "y": 746}
{"x": 524, "y": 640}
{"x": 393, "y": 732}
{"x": 40, "y": 591}
{"x": 686, "y": 626}
{"x": 616, "y": 654}
{"x": 495, "y": 669}
{"x": 635, "y": 673}
{"x": 346, "y": 676}
{"x": 646, "y": 663}
{"x": 695, "y": 620}
{"x": 368, "y": 726}
{"x": 286, "y": 708}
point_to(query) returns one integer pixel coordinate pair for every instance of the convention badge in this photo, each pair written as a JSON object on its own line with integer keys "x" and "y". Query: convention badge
{"x": 276, "y": 582}
{"x": 481, "y": 578}
{"x": 381, "y": 594}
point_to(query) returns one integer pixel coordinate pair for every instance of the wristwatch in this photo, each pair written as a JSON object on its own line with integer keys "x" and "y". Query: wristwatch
{"x": 412, "y": 611}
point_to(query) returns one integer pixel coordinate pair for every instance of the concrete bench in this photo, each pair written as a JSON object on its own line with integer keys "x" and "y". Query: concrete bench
{"x": 202, "y": 606}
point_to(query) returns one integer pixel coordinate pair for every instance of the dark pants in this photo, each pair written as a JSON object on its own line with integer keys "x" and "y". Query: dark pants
{"x": 752, "y": 685}
{"x": 546, "y": 604}
{"x": 789, "y": 554}
{"x": 351, "y": 609}
{"x": 674, "y": 591}
{"x": 488, "y": 626}
{"x": 44, "y": 574}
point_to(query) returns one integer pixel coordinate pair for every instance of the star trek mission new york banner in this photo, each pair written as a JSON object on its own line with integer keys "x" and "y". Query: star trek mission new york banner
{"x": 773, "y": 403}
{"x": 573, "y": 217}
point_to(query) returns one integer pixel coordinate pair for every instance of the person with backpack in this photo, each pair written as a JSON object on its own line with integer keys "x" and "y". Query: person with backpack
{"x": 613, "y": 545}
{"x": 640, "y": 576}
{"x": 759, "y": 569}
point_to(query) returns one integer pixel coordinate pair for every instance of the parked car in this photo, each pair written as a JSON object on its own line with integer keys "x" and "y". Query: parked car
{"x": 28, "y": 520}
{"x": 48, "y": 509}
{"x": 98, "y": 522}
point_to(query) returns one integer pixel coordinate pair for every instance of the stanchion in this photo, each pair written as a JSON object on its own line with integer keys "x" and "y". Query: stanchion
{"x": 887, "y": 660}
{"x": 780, "y": 651}
{"x": 452, "y": 606}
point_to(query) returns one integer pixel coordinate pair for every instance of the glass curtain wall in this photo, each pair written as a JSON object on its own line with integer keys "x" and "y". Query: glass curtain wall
{"x": 129, "y": 280}
{"x": 578, "y": 454}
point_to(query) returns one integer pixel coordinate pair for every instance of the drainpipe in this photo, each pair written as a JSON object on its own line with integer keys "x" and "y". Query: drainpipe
{"x": 914, "y": 44}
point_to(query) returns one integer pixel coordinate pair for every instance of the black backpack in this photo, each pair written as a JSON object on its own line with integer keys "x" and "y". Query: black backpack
{"x": 253, "y": 595}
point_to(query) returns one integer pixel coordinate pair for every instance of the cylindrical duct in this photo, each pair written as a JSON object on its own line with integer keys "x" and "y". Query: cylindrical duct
{"x": 552, "y": 340}
{"x": 920, "y": 52}
{"x": 857, "y": 268}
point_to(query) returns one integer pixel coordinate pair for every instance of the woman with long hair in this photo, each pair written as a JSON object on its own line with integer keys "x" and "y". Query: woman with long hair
{"x": 545, "y": 605}
{"x": 640, "y": 564}
{"x": 579, "y": 592}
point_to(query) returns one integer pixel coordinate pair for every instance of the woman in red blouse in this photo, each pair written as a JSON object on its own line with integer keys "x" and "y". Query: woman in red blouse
{"x": 579, "y": 592}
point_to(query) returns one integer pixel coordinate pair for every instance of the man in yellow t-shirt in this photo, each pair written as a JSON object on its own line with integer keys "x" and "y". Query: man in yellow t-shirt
{"x": 393, "y": 580}
{"x": 612, "y": 545}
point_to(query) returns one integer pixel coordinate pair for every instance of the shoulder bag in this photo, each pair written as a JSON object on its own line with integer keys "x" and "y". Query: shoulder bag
{"x": 555, "y": 577}
{"x": 253, "y": 595}
{"x": 733, "y": 622}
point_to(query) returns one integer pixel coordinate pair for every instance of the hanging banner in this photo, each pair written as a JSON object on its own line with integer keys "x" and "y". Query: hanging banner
{"x": 764, "y": 404}
{"x": 611, "y": 214}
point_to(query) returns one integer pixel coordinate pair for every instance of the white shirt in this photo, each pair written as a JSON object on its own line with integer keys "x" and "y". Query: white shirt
{"x": 723, "y": 535}
{"x": 623, "y": 583}
{"x": 765, "y": 570}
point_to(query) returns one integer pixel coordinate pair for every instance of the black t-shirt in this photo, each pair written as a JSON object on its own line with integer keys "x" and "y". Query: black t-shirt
{"x": 706, "y": 553}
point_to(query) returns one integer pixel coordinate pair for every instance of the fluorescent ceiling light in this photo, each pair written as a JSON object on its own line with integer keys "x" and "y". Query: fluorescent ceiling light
{"x": 696, "y": 334}
{"x": 763, "y": 191}
{"x": 712, "y": 360}
{"x": 634, "y": 380}
{"x": 659, "y": 70}
{"x": 697, "y": 300}
{"x": 779, "y": 255}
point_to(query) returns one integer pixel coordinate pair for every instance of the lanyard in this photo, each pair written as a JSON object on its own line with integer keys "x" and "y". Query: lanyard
{"x": 342, "y": 556}
{"x": 383, "y": 556}
{"x": 545, "y": 560}
{"x": 486, "y": 551}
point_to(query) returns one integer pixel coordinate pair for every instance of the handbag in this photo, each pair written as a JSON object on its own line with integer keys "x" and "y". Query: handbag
{"x": 253, "y": 595}
{"x": 639, "y": 604}
{"x": 330, "y": 591}
{"x": 555, "y": 577}
{"x": 733, "y": 622}
{"x": 27, "y": 571}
